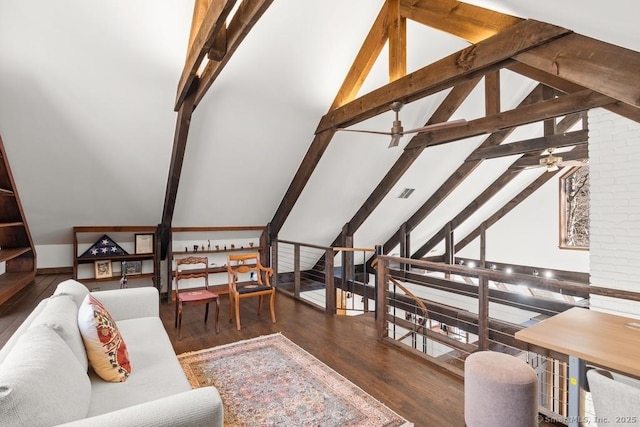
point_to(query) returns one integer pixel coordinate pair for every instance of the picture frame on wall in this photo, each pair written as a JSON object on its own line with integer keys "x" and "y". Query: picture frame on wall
{"x": 144, "y": 243}
{"x": 132, "y": 268}
{"x": 103, "y": 269}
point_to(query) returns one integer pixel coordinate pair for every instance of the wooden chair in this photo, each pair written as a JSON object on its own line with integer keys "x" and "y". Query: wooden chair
{"x": 201, "y": 296}
{"x": 258, "y": 284}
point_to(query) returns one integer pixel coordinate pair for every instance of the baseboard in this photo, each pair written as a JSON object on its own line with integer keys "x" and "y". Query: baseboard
{"x": 55, "y": 270}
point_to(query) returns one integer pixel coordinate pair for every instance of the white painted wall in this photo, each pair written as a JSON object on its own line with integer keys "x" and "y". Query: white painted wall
{"x": 614, "y": 147}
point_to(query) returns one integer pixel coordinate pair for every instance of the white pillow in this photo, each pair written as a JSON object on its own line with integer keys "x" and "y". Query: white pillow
{"x": 42, "y": 382}
{"x": 74, "y": 288}
{"x": 106, "y": 350}
{"x": 61, "y": 315}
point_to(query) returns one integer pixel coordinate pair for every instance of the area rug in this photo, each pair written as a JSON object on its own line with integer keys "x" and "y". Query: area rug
{"x": 270, "y": 381}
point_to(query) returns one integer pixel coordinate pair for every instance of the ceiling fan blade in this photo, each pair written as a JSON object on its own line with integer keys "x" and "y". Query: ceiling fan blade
{"x": 435, "y": 126}
{"x": 395, "y": 140}
{"x": 365, "y": 131}
{"x": 572, "y": 163}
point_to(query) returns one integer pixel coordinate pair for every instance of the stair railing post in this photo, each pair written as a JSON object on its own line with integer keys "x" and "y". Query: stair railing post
{"x": 330, "y": 297}
{"x": 382, "y": 268}
{"x": 296, "y": 271}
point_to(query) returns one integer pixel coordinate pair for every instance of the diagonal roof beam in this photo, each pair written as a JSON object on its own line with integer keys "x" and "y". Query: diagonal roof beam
{"x": 590, "y": 63}
{"x": 247, "y": 15}
{"x": 203, "y": 40}
{"x": 365, "y": 59}
{"x": 486, "y": 56}
{"x": 512, "y": 171}
{"x": 472, "y": 23}
{"x": 567, "y": 104}
{"x": 478, "y": 60}
{"x": 551, "y": 80}
{"x": 531, "y": 145}
{"x": 451, "y": 103}
{"x": 460, "y": 174}
{"x": 580, "y": 152}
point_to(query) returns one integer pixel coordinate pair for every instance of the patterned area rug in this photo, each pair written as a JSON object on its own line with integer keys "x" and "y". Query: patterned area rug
{"x": 270, "y": 381}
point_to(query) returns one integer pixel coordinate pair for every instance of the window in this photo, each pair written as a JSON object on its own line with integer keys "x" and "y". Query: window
{"x": 574, "y": 209}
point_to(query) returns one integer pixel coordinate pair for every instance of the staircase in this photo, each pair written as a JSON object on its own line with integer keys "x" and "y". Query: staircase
{"x": 16, "y": 246}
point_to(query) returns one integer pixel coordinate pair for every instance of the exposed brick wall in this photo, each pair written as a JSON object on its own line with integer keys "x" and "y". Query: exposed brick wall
{"x": 614, "y": 165}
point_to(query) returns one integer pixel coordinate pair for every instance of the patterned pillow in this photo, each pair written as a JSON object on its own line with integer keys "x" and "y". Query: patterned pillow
{"x": 106, "y": 349}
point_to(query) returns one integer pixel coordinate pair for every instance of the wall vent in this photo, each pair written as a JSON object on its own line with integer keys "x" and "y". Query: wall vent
{"x": 406, "y": 193}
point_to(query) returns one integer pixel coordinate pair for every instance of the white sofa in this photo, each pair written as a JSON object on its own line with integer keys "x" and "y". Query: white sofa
{"x": 45, "y": 378}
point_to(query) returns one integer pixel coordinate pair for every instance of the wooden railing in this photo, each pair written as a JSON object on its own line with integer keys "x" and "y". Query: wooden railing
{"x": 324, "y": 277}
{"x": 443, "y": 312}
{"x": 471, "y": 309}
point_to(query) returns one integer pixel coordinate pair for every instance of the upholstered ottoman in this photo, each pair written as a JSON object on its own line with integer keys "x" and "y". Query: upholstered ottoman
{"x": 499, "y": 390}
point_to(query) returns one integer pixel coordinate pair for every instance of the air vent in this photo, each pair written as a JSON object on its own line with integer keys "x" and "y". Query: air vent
{"x": 406, "y": 193}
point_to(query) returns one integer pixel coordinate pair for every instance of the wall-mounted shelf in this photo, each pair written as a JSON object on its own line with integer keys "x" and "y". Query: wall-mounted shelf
{"x": 17, "y": 248}
{"x": 85, "y": 236}
{"x": 207, "y": 238}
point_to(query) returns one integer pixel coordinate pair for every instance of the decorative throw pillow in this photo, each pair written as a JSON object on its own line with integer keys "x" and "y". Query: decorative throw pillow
{"x": 106, "y": 350}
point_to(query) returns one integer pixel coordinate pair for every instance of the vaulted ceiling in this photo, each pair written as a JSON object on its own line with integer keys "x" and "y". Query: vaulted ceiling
{"x": 87, "y": 100}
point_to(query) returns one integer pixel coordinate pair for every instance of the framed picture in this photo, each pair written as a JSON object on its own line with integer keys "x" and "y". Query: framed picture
{"x": 132, "y": 268}
{"x": 144, "y": 243}
{"x": 103, "y": 269}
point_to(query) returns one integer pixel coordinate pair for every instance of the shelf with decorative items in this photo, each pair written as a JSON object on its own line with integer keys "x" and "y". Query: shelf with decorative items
{"x": 116, "y": 254}
{"x": 215, "y": 243}
{"x": 17, "y": 250}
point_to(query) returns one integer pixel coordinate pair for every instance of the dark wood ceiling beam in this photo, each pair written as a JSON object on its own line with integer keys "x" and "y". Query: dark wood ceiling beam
{"x": 213, "y": 20}
{"x": 567, "y": 104}
{"x": 397, "y": 41}
{"x": 590, "y": 63}
{"x": 492, "y": 93}
{"x": 480, "y": 59}
{"x": 531, "y": 145}
{"x": 309, "y": 162}
{"x": 365, "y": 59}
{"x": 622, "y": 109}
{"x": 472, "y": 23}
{"x": 458, "y": 176}
{"x": 219, "y": 48}
{"x": 247, "y": 15}
{"x": 183, "y": 123}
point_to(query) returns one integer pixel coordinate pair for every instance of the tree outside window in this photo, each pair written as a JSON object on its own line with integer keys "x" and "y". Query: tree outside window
{"x": 574, "y": 209}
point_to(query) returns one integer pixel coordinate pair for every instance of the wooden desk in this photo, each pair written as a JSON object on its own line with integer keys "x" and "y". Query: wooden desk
{"x": 587, "y": 336}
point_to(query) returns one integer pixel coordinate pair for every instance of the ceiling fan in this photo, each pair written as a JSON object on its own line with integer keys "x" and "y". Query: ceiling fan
{"x": 553, "y": 163}
{"x": 397, "y": 130}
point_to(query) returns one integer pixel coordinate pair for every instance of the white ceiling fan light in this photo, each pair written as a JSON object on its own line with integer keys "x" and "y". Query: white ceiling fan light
{"x": 397, "y": 131}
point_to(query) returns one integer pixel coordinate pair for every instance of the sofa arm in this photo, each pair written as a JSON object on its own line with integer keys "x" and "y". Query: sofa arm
{"x": 197, "y": 407}
{"x": 130, "y": 303}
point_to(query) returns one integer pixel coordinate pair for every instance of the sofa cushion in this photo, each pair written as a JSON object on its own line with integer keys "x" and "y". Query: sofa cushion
{"x": 157, "y": 372}
{"x": 106, "y": 350}
{"x": 42, "y": 382}
{"x": 61, "y": 315}
{"x": 75, "y": 289}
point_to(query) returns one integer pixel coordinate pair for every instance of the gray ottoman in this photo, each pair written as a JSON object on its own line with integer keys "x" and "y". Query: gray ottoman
{"x": 499, "y": 390}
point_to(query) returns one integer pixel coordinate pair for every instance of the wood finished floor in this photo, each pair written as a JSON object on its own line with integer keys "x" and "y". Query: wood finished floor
{"x": 418, "y": 391}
